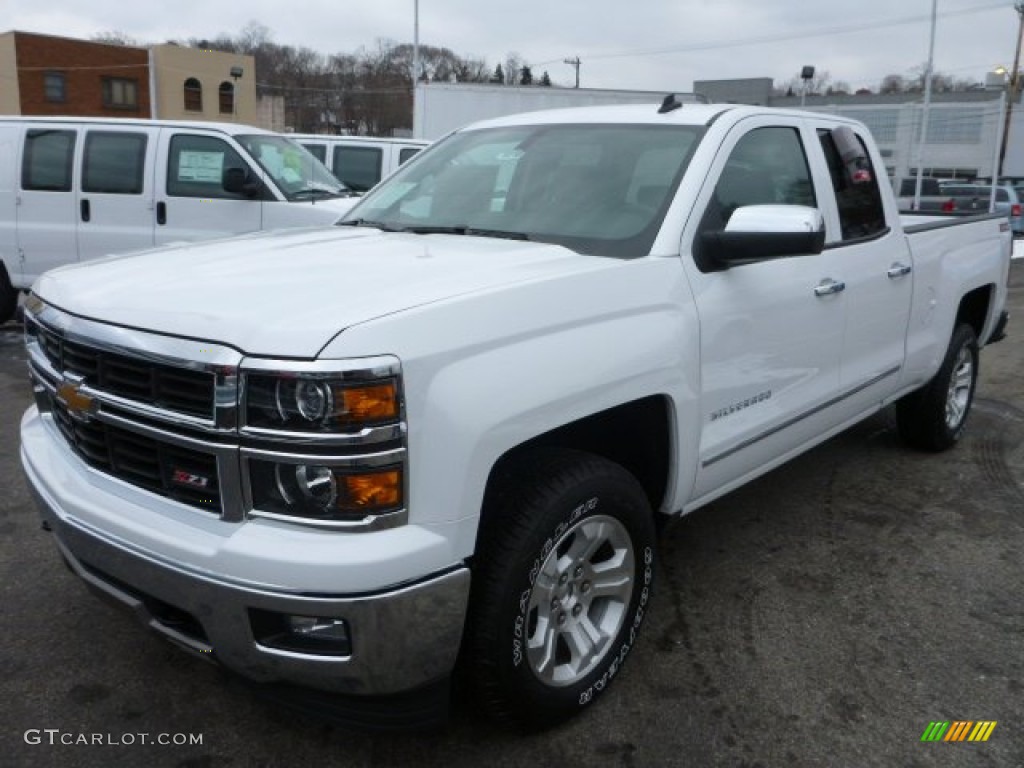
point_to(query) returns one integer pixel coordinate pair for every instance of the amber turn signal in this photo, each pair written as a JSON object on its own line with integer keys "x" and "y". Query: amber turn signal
{"x": 372, "y": 493}
{"x": 372, "y": 403}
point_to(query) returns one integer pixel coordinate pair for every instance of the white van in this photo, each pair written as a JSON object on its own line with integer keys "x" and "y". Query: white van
{"x": 73, "y": 189}
{"x": 359, "y": 162}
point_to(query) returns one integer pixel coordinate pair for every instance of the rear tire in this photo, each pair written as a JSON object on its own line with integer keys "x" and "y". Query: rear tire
{"x": 8, "y": 297}
{"x": 934, "y": 417}
{"x": 562, "y": 579}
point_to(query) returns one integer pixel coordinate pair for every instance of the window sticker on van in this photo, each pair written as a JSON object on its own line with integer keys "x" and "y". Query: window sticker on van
{"x": 200, "y": 166}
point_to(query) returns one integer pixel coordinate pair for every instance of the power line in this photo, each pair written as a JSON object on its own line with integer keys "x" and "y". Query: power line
{"x": 762, "y": 39}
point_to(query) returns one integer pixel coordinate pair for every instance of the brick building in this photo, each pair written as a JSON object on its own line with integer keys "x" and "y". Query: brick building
{"x": 48, "y": 75}
{"x": 61, "y": 76}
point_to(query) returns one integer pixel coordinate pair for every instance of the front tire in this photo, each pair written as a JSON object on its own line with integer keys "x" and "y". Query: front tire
{"x": 934, "y": 417}
{"x": 562, "y": 579}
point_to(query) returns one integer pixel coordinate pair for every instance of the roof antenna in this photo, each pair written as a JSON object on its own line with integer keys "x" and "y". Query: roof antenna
{"x": 670, "y": 104}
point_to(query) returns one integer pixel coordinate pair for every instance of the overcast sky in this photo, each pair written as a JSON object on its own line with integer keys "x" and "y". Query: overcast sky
{"x": 636, "y": 44}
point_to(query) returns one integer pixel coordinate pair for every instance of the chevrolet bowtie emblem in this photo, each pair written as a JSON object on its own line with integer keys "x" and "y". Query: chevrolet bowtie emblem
{"x": 79, "y": 406}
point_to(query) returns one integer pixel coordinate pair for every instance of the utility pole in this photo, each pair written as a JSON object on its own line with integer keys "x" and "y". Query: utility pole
{"x": 1013, "y": 84}
{"x": 575, "y": 62}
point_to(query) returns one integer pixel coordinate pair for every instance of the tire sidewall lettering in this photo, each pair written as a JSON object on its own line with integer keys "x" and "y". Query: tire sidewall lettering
{"x": 618, "y": 659}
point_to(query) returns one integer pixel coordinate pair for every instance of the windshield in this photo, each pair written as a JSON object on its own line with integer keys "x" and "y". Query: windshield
{"x": 597, "y": 189}
{"x": 295, "y": 171}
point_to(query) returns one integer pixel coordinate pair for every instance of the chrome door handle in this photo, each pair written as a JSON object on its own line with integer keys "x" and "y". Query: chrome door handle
{"x": 898, "y": 270}
{"x": 829, "y": 286}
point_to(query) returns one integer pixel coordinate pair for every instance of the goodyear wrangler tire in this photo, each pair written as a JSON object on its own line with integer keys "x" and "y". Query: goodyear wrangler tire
{"x": 934, "y": 417}
{"x": 562, "y": 580}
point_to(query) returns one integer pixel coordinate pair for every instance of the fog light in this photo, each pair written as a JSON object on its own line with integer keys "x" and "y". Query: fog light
{"x": 314, "y": 626}
{"x": 313, "y": 635}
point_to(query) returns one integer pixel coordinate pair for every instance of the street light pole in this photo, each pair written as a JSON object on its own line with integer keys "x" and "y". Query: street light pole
{"x": 925, "y": 112}
{"x": 1013, "y": 85}
{"x": 416, "y": 44}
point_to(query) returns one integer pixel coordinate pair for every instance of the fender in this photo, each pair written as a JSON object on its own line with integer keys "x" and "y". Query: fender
{"x": 485, "y": 373}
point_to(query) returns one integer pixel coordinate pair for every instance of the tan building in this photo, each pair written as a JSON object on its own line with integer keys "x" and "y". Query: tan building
{"x": 195, "y": 84}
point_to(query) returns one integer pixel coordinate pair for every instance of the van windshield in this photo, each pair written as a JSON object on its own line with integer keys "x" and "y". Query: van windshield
{"x": 295, "y": 171}
{"x": 597, "y": 189}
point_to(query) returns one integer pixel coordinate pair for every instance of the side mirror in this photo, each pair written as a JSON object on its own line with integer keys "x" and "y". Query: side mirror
{"x": 762, "y": 232}
{"x": 238, "y": 182}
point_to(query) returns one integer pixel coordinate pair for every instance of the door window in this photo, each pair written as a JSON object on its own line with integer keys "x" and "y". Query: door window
{"x": 196, "y": 165}
{"x": 359, "y": 168}
{"x": 114, "y": 163}
{"x": 767, "y": 166}
{"x": 858, "y": 199}
{"x": 406, "y": 153}
{"x": 47, "y": 164}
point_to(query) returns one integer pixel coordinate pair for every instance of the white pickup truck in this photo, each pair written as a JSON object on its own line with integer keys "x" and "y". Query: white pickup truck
{"x": 342, "y": 459}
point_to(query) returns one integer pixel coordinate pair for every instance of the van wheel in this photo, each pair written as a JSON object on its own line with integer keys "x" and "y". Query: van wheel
{"x": 562, "y": 579}
{"x": 934, "y": 417}
{"x": 8, "y": 297}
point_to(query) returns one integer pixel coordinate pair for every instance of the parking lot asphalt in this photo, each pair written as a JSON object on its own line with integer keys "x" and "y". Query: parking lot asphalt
{"x": 823, "y": 615}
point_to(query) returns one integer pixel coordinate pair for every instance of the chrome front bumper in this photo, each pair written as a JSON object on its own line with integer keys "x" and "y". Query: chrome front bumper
{"x": 402, "y": 638}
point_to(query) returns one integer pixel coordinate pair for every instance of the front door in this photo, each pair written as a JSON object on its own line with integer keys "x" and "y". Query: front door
{"x": 191, "y": 202}
{"x": 770, "y": 337}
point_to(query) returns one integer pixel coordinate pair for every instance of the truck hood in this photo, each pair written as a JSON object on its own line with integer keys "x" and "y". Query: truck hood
{"x": 287, "y": 294}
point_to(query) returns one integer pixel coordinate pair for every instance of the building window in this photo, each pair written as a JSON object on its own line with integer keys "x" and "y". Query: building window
{"x": 120, "y": 93}
{"x": 193, "y": 95}
{"x": 227, "y": 98}
{"x": 53, "y": 83}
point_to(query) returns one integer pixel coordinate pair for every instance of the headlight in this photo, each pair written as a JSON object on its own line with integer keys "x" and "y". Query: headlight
{"x": 327, "y": 493}
{"x": 324, "y": 442}
{"x": 318, "y": 403}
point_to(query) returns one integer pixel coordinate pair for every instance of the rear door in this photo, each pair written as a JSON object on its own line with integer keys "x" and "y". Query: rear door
{"x": 873, "y": 262}
{"x": 115, "y": 199}
{"x": 46, "y": 207}
{"x": 191, "y": 202}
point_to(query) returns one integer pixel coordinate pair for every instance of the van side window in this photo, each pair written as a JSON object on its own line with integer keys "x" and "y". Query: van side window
{"x": 358, "y": 168}
{"x": 406, "y": 152}
{"x": 114, "y": 163}
{"x": 196, "y": 165}
{"x": 766, "y": 167}
{"x": 860, "y": 203}
{"x": 319, "y": 151}
{"x": 47, "y": 163}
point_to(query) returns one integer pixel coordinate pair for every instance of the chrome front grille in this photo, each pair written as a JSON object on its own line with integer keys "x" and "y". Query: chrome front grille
{"x": 161, "y": 386}
{"x": 179, "y": 473}
{"x": 163, "y": 414}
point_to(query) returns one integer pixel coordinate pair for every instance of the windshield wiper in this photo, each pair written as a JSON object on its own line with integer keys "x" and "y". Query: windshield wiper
{"x": 318, "y": 193}
{"x": 369, "y": 223}
{"x": 466, "y": 230}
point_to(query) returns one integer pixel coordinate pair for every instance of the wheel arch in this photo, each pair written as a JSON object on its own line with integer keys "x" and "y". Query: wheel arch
{"x": 974, "y": 310}
{"x": 636, "y": 435}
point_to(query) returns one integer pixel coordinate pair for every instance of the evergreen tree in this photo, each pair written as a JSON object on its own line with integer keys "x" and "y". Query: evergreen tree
{"x": 525, "y": 76}
{"x": 545, "y": 79}
{"x": 499, "y": 75}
